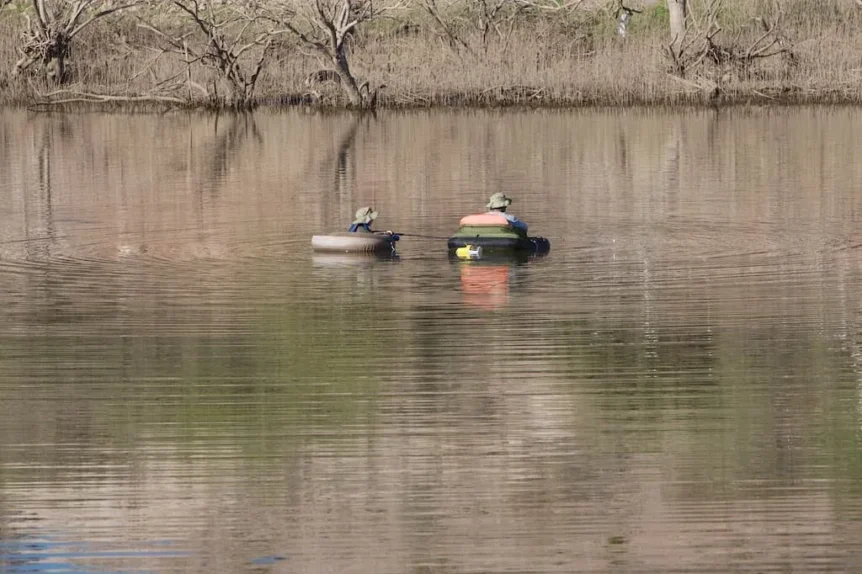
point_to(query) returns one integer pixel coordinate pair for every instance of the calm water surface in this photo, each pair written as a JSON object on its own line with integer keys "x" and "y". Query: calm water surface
{"x": 185, "y": 387}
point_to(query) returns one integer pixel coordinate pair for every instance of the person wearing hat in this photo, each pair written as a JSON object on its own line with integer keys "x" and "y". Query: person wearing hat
{"x": 363, "y": 220}
{"x": 498, "y": 204}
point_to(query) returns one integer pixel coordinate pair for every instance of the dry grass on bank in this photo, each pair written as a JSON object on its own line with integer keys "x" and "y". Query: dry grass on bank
{"x": 542, "y": 62}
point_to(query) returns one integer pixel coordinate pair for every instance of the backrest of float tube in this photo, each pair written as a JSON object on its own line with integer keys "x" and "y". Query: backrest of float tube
{"x": 485, "y": 220}
{"x": 488, "y": 225}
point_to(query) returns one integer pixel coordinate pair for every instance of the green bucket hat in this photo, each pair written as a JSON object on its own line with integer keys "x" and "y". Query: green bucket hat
{"x": 365, "y": 215}
{"x": 499, "y": 200}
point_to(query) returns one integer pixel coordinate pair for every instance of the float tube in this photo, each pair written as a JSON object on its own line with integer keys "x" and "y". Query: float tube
{"x": 493, "y": 233}
{"x": 359, "y": 242}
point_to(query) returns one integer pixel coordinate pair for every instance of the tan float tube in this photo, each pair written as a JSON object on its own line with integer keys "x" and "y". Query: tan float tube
{"x": 346, "y": 242}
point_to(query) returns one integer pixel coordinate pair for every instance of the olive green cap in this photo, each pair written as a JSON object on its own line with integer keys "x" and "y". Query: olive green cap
{"x": 365, "y": 215}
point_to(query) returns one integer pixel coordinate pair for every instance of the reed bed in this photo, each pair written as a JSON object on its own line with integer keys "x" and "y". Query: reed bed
{"x": 573, "y": 60}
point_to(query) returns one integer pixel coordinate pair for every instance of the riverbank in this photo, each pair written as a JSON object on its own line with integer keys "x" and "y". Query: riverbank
{"x": 578, "y": 58}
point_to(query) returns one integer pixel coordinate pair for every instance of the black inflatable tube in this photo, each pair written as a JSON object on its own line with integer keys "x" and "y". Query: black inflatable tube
{"x": 530, "y": 244}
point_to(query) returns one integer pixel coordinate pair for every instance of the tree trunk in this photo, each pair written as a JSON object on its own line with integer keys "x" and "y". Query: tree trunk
{"x": 55, "y": 69}
{"x": 676, "y": 9}
{"x": 51, "y": 61}
{"x": 348, "y": 82}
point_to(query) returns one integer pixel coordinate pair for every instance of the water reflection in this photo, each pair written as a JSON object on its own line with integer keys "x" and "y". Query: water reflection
{"x": 485, "y": 286}
{"x": 676, "y": 387}
{"x": 487, "y": 281}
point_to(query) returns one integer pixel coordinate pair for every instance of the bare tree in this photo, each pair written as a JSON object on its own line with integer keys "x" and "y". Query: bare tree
{"x": 487, "y": 16}
{"x": 677, "y": 11}
{"x": 489, "y": 13}
{"x": 700, "y": 60}
{"x": 48, "y": 43}
{"x": 623, "y": 15}
{"x": 452, "y": 38}
{"x": 328, "y": 25}
{"x": 695, "y": 43}
{"x": 227, "y": 41}
{"x": 502, "y": 15}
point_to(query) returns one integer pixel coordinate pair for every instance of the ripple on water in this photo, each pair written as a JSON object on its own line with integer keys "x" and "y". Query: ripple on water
{"x": 186, "y": 387}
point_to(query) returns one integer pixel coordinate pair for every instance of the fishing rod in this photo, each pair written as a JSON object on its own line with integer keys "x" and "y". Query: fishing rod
{"x": 420, "y": 235}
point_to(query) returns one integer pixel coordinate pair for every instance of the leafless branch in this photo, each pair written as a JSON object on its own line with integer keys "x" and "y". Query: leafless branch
{"x": 551, "y": 5}
{"x": 707, "y": 62}
{"x": 59, "y": 21}
{"x": 328, "y": 24}
{"x": 224, "y": 42}
{"x": 75, "y": 96}
{"x": 452, "y": 38}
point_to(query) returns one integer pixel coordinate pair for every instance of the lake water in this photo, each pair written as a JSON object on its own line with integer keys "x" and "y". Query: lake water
{"x": 186, "y": 387}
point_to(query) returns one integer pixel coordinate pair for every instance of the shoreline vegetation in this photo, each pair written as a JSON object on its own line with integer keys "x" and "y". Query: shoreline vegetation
{"x": 359, "y": 54}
